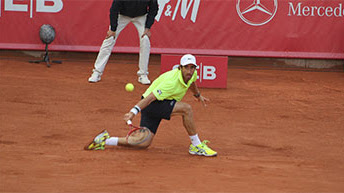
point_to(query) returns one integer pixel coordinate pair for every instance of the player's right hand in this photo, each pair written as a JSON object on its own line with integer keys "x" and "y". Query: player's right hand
{"x": 128, "y": 116}
{"x": 110, "y": 33}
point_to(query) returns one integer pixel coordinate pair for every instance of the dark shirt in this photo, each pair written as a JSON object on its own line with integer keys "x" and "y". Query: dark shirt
{"x": 133, "y": 8}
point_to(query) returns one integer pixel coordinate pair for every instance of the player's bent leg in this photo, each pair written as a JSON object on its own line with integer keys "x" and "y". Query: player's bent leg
{"x": 141, "y": 139}
{"x": 199, "y": 148}
{"x": 185, "y": 110}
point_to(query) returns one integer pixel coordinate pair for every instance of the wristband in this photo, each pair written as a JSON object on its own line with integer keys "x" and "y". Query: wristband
{"x": 136, "y": 109}
{"x": 197, "y": 95}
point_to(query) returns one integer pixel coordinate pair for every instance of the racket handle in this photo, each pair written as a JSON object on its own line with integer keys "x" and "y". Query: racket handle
{"x": 129, "y": 122}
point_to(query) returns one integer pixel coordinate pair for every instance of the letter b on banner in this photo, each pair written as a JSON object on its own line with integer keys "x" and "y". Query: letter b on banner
{"x": 56, "y": 7}
{"x": 211, "y": 71}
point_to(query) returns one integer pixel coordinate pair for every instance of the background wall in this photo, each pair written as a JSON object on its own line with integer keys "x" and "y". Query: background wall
{"x": 265, "y": 28}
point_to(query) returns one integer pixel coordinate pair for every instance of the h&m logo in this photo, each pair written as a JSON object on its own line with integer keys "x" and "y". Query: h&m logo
{"x": 184, "y": 6}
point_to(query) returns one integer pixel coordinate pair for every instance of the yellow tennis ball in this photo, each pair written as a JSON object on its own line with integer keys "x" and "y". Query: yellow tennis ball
{"x": 129, "y": 87}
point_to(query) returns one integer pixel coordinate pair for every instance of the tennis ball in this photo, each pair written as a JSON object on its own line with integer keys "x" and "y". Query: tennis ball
{"x": 129, "y": 87}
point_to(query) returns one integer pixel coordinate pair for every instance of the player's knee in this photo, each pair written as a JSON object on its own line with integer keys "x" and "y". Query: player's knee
{"x": 141, "y": 138}
{"x": 187, "y": 109}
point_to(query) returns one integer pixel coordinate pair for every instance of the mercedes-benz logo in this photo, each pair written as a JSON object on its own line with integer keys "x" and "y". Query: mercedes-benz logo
{"x": 257, "y": 13}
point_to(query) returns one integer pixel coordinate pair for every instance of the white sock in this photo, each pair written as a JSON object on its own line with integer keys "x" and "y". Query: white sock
{"x": 112, "y": 141}
{"x": 195, "y": 140}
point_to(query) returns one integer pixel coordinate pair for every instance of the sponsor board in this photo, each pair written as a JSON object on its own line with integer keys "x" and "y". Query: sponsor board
{"x": 211, "y": 70}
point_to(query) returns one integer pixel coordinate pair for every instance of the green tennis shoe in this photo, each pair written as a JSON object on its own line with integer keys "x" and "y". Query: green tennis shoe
{"x": 202, "y": 149}
{"x": 99, "y": 141}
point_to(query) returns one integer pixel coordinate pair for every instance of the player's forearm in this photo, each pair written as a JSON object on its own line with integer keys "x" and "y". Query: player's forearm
{"x": 146, "y": 101}
{"x": 194, "y": 89}
{"x": 142, "y": 104}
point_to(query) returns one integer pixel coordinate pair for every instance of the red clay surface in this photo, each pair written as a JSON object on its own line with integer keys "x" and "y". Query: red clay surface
{"x": 274, "y": 130}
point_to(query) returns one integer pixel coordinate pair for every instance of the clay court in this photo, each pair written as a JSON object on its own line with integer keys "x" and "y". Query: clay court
{"x": 276, "y": 128}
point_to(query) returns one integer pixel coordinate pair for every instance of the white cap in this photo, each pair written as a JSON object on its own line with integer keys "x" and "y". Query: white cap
{"x": 188, "y": 59}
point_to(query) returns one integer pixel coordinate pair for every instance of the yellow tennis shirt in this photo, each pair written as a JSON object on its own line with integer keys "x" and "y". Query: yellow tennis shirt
{"x": 170, "y": 85}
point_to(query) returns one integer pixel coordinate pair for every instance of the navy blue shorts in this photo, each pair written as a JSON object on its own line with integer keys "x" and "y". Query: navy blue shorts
{"x": 151, "y": 115}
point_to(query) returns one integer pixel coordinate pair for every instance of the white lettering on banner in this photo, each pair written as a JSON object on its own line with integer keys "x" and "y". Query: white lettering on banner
{"x": 269, "y": 8}
{"x": 41, "y": 6}
{"x": 175, "y": 66}
{"x": 320, "y": 11}
{"x": 184, "y": 10}
{"x": 10, "y": 6}
{"x": 209, "y": 73}
{"x": 205, "y": 72}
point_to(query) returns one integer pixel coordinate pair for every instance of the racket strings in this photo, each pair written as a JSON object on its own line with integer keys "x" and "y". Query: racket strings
{"x": 137, "y": 136}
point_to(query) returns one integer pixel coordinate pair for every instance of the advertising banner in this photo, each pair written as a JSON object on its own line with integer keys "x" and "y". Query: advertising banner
{"x": 263, "y": 28}
{"x": 211, "y": 70}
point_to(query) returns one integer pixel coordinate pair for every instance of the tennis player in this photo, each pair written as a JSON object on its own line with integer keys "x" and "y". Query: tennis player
{"x": 161, "y": 101}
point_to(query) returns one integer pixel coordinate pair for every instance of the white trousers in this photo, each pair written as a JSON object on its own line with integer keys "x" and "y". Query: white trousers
{"x": 108, "y": 44}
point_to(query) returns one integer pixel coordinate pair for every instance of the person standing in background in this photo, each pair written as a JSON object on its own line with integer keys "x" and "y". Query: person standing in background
{"x": 142, "y": 14}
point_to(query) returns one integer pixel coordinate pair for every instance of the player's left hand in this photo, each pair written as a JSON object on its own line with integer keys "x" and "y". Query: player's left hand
{"x": 146, "y": 33}
{"x": 203, "y": 100}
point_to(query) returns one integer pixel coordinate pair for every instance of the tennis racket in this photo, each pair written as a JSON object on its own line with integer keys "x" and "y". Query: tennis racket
{"x": 136, "y": 135}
